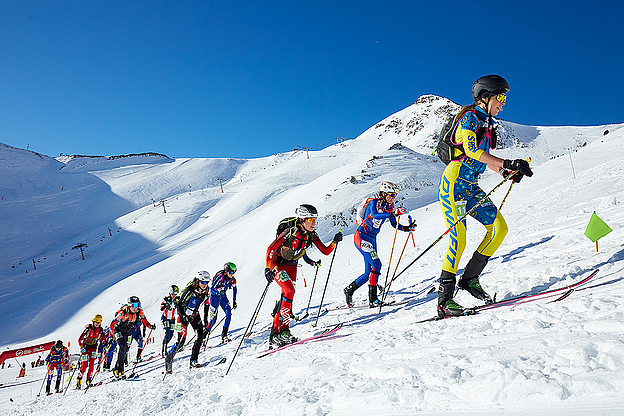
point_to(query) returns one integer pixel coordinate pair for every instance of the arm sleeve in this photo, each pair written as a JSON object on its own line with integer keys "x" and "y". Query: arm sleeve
{"x": 234, "y": 291}
{"x": 179, "y": 306}
{"x": 372, "y": 206}
{"x": 82, "y": 336}
{"x": 113, "y": 324}
{"x": 322, "y": 247}
{"x": 271, "y": 254}
{"x": 307, "y": 259}
{"x": 144, "y": 319}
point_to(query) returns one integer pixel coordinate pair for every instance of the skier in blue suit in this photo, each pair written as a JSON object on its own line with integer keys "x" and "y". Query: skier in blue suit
{"x": 377, "y": 211}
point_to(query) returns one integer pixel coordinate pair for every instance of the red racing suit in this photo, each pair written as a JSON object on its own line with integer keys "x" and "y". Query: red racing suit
{"x": 88, "y": 342}
{"x": 281, "y": 257}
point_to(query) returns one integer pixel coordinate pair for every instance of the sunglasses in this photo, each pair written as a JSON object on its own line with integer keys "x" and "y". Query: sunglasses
{"x": 501, "y": 98}
{"x": 204, "y": 282}
{"x": 135, "y": 304}
{"x": 392, "y": 194}
{"x": 231, "y": 272}
{"x": 311, "y": 220}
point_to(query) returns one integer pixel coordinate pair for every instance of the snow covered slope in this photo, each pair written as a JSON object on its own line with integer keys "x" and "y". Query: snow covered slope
{"x": 566, "y": 356}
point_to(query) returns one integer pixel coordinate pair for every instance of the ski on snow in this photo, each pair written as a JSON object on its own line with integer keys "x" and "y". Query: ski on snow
{"x": 429, "y": 289}
{"x": 558, "y": 293}
{"x": 323, "y": 334}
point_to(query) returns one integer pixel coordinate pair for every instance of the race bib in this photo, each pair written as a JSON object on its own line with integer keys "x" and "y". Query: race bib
{"x": 460, "y": 208}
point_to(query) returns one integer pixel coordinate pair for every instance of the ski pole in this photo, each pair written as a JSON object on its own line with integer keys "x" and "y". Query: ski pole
{"x": 71, "y": 375}
{"x": 506, "y": 195}
{"x": 478, "y": 204}
{"x": 207, "y": 334}
{"x": 250, "y": 325}
{"x": 390, "y": 261}
{"x": 326, "y": 282}
{"x": 528, "y": 159}
{"x": 97, "y": 369}
{"x": 44, "y": 379}
{"x": 139, "y": 357}
{"x": 311, "y": 292}
{"x": 387, "y": 288}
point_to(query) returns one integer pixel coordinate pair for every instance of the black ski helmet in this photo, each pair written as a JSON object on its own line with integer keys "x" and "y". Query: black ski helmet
{"x": 174, "y": 290}
{"x": 229, "y": 267}
{"x": 489, "y": 85}
{"x": 58, "y": 345}
{"x": 134, "y": 299}
{"x": 306, "y": 211}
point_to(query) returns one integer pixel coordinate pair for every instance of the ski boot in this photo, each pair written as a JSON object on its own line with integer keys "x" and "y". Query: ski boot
{"x": 224, "y": 336}
{"x": 106, "y": 365}
{"x": 349, "y": 291}
{"x": 119, "y": 374}
{"x": 373, "y": 301}
{"x": 452, "y": 308}
{"x": 195, "y": 364}
{"x": 48, "y": 389}
{"x": 274, "y": 340}
{"x": 286, "y": 337}
{"x": 473, "y": 287}
{"x": 78, "y": 383}
{"x": 57, "y": 387}
{"x": 139, "y": 353}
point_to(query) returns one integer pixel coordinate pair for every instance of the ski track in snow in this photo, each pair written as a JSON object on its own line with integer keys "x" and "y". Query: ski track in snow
{"x": 539, "y": 358}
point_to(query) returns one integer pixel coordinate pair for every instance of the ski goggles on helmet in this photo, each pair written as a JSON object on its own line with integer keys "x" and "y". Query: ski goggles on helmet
{"x": 135, "y": 304}
{"x": 501, "y": 98}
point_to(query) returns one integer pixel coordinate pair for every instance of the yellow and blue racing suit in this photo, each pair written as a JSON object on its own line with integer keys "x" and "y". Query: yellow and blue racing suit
{"x": 459, "y": 192}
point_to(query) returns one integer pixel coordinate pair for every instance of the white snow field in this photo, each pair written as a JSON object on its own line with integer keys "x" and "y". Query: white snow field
{"x": 538, "y": 358}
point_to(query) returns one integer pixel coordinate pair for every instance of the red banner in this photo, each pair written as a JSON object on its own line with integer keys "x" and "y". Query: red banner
{"x": 19, "y": 352}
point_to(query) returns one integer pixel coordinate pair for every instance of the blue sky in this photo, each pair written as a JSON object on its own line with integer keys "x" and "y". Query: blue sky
{"x": 249, "y": 78}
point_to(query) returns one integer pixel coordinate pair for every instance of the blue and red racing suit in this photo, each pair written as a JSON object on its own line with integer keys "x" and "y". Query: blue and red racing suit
{"x": 220, "y": 285}
{"x": 365, "y": 238}
{"x": 56, "y": 359}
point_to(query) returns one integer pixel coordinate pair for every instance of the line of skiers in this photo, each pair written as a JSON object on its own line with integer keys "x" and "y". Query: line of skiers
{"x": 98, "y": 344}
{"x": 472, "y": 138}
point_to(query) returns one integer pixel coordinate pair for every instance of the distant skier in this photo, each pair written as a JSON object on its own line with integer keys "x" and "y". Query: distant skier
{"x": 168, "y": 308}
{"x": 375, "y": 213}
{"x": 125, "y": 319}
{"x": 281, "y": 265}
{"x": 88, "y": 341}
{"x": 56, "y": 359}
{"x": 459, "y": 191}
{"x": 193, "y": 296}
{"x": 222, "y": 281}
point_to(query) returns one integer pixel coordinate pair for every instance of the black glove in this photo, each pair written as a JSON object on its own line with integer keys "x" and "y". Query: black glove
{"x": 519, "y": 165}
{"x": 338, "y": 237}
{"x": 234, "y": 305}
{"x": 410, "y": 227}
{"x": 153, "y": 327}
{"x": 269, "y": 274}
{"x": 316, "y": 263}
{"x": 516, "y": 178}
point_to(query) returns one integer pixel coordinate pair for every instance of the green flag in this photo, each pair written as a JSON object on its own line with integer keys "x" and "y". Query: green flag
{"x": 597, "y": 228}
